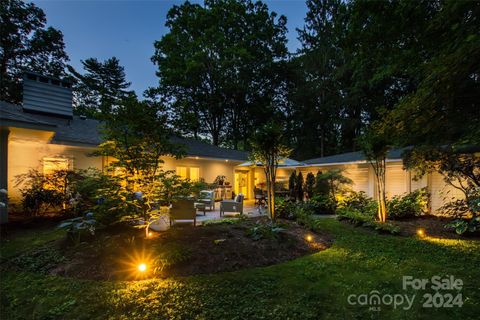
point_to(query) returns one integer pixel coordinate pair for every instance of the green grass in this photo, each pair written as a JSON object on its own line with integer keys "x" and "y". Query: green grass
{"x": 313, "y": 287}
{"x": 27, "y": 240}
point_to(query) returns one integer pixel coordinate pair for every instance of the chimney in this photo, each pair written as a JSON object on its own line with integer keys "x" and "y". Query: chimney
{"x": 47, "y": 95}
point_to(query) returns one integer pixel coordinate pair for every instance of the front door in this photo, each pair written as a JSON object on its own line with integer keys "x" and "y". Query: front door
{"x": 241, "y": 183}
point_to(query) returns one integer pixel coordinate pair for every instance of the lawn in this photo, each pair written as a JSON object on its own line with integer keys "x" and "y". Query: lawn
{"x": 311, "y": 287}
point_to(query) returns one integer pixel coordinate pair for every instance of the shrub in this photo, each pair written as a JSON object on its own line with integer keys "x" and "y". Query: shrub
{"x": 363, "y": 219}
{"x": 359, "y": 201}
{"x": 320, "y": 204}
{"x": 291, "y": 186}
{"x": 299, "y": 187}
{"x": 410, "y": 205}
{"x": 79, "y": 227}
{"x": 355, "y": 216}
{"x": 309, "y": 185}
{"x": 461, "y": 226}
{"x": 268, "y": 230}
{"x": 168, "y": 255}
{"x": 42, "y": 193}
{"x": 284, "y": 208}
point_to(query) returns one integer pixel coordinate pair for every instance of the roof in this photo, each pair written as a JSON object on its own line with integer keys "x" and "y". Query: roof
{"x": 203, "y": 149}
{"x": 285, "y": 162}
{"x": 87, "y": 132}
{"x": 358, "y": 156}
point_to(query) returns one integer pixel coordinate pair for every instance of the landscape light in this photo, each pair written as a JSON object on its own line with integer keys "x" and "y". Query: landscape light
{"x": 309, "y": 238}
{"x": 142, "y": 267}
{"x": 421, "y": 232}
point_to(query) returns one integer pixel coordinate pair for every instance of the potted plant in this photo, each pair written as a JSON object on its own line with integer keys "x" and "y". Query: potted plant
{"x": 219, "y": 180}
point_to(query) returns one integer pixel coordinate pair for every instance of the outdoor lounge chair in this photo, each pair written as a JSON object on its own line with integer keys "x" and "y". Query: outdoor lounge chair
{"x": 183, "y": 209}
{"x": 232, "y": 205}
{"x": 205, "y": 200}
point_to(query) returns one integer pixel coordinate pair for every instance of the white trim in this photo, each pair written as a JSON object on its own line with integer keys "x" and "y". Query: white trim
{"x": 343, "y": 163}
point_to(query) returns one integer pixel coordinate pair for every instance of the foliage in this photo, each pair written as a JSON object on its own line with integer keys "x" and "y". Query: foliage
{"x": 460, "y": 169}
{"x": 168, "y": 255}
{"x": 321, "y": 184}
{"x": 284, "y": 208}
{"x": 299, "y": 187}
{"x": 359, "y": 218}
{"x": 261, "y": 230}
{"x": 462, "y": 226}
{"x": 291, "y": 185}
{"x": 359, "y": 201}
{"x": 100, "y": 88}
{"x": 39, "y": 260}
{"x": 226, "y": 221}
{"x": 268, "y": 149}
{"x": 309, "y": 185}
{"x": 376, "y": 143}
{"x": 219, "y": 66}
{"x": 331, "y": 184}
{"x": 357, "y": 262}
{"x": 410, "y": 205}
{"x": 219, "y": 180}
{"x": 78, "y": 227}
{"x": 321, "y": 204}
{"x": 46, "y": 192}
{"x": 136, "y": 137}
{"x": 27, "y": 44}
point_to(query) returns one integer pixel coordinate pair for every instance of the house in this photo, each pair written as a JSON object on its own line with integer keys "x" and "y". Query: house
{"x": 43, "y": 134}
{"x": 398, "y": 180}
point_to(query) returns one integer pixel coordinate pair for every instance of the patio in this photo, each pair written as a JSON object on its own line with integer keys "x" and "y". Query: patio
{"x": 249, "y": 209}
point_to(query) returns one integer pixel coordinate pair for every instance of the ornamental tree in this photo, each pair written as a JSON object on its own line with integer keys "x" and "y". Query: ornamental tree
{"x": 268, "y": 149}
{"x": 136, "y": 138}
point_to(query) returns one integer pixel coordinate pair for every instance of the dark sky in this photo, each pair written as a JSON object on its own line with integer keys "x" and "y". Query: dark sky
{"x": 127, "y": 30}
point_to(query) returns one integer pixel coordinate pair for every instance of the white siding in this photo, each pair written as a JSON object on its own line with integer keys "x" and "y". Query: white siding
{"x": 359, "y": 177}
{"x": 396, "y": 180}
{"x": 418, "y": 184}
{"x": 440, "y": 192}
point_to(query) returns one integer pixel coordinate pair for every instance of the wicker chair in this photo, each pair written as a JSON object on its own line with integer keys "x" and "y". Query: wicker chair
{"x": 183, "y": 209}
{"x": 232, "y": 205}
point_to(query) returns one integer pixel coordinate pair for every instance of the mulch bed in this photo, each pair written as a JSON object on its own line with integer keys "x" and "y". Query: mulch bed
{"x": 432, "y": 225}
{"x": 115, "y": 255}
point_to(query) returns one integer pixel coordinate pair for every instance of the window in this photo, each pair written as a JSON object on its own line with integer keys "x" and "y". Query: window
{"x": 51, "y": 165}
{"x": 195, "y": 174}
{"x": 182, "y": 172}
{"x": 192, "y": 173}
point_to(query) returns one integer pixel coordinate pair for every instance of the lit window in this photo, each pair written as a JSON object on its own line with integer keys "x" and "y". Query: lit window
{"x": 182, "y": 172}
{"x": 50, "y": 165}
{"x": 192, "y": 173}
{"x": 195, "y": 174}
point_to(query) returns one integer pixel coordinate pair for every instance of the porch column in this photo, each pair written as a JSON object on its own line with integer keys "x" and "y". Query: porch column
{"x": 4, "y": 132}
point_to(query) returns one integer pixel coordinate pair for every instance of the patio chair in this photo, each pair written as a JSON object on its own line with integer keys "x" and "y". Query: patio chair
{"x": 259, "y": 196}
{"x": 205, "y": 200}
{"x": 183, "y": 209}
{"x": 232, "y": 205}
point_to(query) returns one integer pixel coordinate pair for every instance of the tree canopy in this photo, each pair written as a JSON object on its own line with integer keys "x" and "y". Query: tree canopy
{"x": 26, "y": 44}
{"x": 102, "y": 86}
{"x": 219, "y": 68}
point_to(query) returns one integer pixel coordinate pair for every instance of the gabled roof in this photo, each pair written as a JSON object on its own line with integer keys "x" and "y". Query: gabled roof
{"x": 358, "y": 156}
{"x": 87, "y": 132}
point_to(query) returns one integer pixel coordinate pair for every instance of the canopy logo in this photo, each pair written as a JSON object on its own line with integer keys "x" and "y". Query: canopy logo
{"x": 444, "y": 292}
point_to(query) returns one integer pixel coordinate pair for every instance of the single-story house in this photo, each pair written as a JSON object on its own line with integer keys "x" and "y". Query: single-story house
{"x": 43, "y": 134}
{"x": 398, "y": 180}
